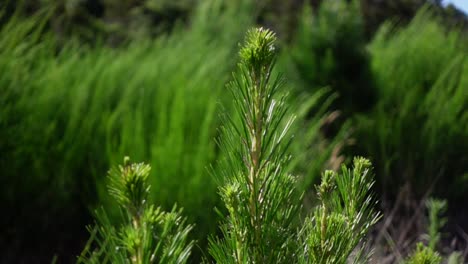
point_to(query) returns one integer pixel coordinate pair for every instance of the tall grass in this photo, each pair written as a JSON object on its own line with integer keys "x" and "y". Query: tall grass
{"x": 418, "y": 131}
{"x": 69, "y": 112}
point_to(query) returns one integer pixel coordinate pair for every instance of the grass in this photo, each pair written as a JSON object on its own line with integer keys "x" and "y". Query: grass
{"x": 70, "y": 111}
{"x": 417, "y": 132}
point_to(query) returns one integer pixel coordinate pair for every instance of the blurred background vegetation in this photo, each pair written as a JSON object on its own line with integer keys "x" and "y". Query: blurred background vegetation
{"x": 85, "y": 82}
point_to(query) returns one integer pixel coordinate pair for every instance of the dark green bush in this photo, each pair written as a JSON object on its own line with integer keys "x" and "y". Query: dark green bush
{"x": 116, "y": 21}
{"x": 418, "y": 131}
{"x": 329, "y": 50}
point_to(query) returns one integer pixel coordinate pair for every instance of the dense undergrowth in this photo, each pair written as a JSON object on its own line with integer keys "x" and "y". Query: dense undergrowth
{"x": 263, "y": 201}
{"x": 422, "y": 76}
{"x": 70, "y": 110}
{"x": 405, "y": 91}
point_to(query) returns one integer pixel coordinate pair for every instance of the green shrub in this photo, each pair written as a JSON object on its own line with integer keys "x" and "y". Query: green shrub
{"x": 424, "y": 255}
{"x": 418, "y": 131}
{"x": 329, "y": 49}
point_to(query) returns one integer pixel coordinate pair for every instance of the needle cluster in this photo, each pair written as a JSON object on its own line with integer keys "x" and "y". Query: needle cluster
{"x": 147, "y": 234}
{"x": 262, "y": 199}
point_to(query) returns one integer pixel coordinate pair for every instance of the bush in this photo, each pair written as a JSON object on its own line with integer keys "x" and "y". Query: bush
{"x": 329, "y": 49}
{"x": 418, "y": 131}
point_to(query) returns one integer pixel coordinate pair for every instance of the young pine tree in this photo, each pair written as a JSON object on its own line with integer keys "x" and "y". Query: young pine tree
{"x": 335, "y": 230}
{"x": 260, "y": 196}
{"x": 262, "y": 223}
{"x": 146, "y": 234}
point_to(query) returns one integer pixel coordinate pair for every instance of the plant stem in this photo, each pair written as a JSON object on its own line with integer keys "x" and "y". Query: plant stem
{"x": 255, "y": 151}
{"x": 323, "y": 227}
{"x": 136, "y": 222}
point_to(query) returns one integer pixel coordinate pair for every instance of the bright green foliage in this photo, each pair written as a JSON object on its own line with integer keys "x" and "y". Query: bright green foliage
{"x": 436, "y": 221}
{"x": 146, "y": 234}
{"x": 258, "y": 52}
{"x": 311, "y": 151}
{"x": 128, "y": 185}
{"x": 418, "y": 131}
{"x": 68, "y": 112}
{"x": 260, "y": 196}
{"x": 424, "y": 255}
{"x": 429, "y": 254}
{"x": 337, "y": 228}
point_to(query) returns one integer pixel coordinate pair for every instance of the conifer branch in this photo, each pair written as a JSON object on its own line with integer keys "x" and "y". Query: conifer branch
{"x": 259, "y": 194}
{"x": 148, "y": 235}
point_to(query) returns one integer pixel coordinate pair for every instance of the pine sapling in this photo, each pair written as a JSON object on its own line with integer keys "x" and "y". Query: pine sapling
{"x": 336, "y": 229}
{"x": 436, "y": 208}
{"x": 263, "y": 224}
{"x": 428, "y": 254}
{"x": 424, "y": 255}
{"x": 259, "y": 194}
{"x": 146, "y": 233}
{"x": 262, "y": 199}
